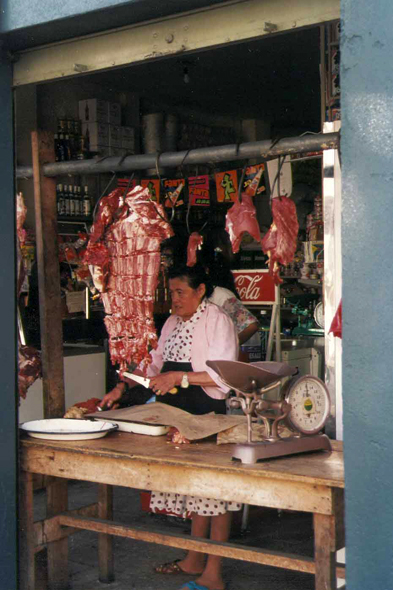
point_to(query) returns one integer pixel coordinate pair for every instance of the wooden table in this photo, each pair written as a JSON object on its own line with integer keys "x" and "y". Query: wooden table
{"x": 307, "y": 483}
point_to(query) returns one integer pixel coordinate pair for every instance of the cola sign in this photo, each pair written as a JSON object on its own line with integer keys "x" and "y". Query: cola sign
{"x": 255, "y": 287}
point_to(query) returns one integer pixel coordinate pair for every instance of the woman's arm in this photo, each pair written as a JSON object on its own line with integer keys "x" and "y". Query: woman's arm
{"x": 164, "y": 382}
{"x": 246, "y": 334}
{"x": 113, "y": 396}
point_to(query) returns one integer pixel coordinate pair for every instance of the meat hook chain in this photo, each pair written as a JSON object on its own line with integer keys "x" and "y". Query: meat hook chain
{"x": 102, "y": 195}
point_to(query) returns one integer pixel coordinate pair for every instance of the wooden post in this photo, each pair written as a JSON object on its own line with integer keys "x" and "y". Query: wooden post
{"x": 48, "y": 277}
{"x": 105, "y": 542}
{"x": 325, "y": 552}
{"x": 56, "y": 502}
{"x": 26, "y": 532}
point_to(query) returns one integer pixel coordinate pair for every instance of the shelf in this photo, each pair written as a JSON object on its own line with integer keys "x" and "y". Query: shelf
{"x": 75, "y": 219}
{"x": 311, "y": 282}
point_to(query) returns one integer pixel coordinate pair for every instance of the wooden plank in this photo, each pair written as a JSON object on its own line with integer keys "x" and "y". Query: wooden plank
{"x": 252, "y": 554}
{"x": 49, "y": 530}
{"x": 231, "y": 550}
{"x": 235, "y": 485}
{"x": 105, "y": 541}
{"x": 48, "y": 277}
{"x": 57, "y": 501}
{"x": 26, "y": 532}
{"x": 324, "y": 555}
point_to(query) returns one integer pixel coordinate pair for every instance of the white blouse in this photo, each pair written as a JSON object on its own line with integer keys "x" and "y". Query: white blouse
{"x": 177, "y": 347}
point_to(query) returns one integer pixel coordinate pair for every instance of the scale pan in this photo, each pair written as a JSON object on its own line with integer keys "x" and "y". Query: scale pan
{"x": 239, "y": 375}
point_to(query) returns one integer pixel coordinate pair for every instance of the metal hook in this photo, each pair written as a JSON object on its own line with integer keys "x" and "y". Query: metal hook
{"x": 103, "y": 194}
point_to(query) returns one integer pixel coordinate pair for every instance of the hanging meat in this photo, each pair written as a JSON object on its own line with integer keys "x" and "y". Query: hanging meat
{"x": 124, "y": 257}
{"x": 29, "y": 368}
{"x": 195, "y": 241}
{"x": 337, "y": 322}
{"x": 241, "y": 217}
{"x": 29, "y": 360}
{"x": 280, "y": 242}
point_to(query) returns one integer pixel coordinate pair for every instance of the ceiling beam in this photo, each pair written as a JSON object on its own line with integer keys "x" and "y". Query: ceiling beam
{"x": 179, "y": 35}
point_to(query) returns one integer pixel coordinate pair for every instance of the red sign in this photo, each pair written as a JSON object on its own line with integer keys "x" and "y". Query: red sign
{"x": 199, "y": 192}
{"x": 255, "y": 287}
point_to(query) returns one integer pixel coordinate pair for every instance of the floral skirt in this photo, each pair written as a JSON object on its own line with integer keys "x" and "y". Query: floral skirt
{"x": 181, "y": 505}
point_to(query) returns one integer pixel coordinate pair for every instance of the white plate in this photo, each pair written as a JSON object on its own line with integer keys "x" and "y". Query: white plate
{"x": 66, "y": 429}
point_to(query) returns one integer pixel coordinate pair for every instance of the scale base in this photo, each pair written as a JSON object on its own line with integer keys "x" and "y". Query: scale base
{"x": 252, "y": 452}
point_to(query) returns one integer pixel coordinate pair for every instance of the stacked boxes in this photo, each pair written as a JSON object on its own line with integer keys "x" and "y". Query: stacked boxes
{"x": 101, "y": 127}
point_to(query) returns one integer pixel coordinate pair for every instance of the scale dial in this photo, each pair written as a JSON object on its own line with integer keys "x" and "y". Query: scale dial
{"x": 310, "y": 403}
{"x": 319, "y": 315}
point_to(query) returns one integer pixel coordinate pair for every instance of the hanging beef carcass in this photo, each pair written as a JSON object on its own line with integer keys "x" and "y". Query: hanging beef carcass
{"x": 195, "y": 241}
{"x": 280, "y": 242}
{"x": 241, "y": 217}
{"x": 124, "y": 257}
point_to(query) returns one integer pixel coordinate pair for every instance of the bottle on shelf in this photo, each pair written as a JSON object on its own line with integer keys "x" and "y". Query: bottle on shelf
{"x": 71, "y": 197}
{"x": 61, "y": 125}
{"x": 82, "y": 150}
{"x": 56, "y": 147}
{"x": 67, "y": 201}
{"x": 77, "y": 207}
{"x": 67, "y": 147}
{"x": 61, "y": 148}
{"x": 60, "y": 200}
{"x": 71, "y": 138}
{"x": 86, "y": 202}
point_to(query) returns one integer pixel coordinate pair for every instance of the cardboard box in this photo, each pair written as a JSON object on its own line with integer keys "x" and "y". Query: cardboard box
{"x": 93, "y": 110}
{"x": 128, "y": 138}
{"x": 114, "y": 113}
{"x": 114, "y": 136}
{"x": 98, "y": 134}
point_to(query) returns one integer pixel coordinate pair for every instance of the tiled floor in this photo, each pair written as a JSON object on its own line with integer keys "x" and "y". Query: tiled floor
{"x": 287, "y": 531}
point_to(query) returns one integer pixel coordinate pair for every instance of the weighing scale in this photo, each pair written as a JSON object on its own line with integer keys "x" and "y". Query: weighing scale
{"x": 303, "y": 406}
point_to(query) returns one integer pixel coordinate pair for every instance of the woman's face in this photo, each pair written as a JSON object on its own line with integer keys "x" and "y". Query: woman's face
{"x": 185, "y": 299}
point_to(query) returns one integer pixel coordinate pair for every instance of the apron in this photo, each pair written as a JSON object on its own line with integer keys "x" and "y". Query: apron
{"x": 192, "y": 399}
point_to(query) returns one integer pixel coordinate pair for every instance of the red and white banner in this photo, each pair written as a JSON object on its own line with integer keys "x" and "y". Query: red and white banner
{"x": 255, "y": 287}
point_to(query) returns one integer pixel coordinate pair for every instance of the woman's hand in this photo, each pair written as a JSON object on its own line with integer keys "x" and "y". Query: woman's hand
{"x": 164, "y": 382}
{"x": 108, "y": 401}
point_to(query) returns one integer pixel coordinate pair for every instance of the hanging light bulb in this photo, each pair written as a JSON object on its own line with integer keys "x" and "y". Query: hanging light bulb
{"x": 186, "y": 75}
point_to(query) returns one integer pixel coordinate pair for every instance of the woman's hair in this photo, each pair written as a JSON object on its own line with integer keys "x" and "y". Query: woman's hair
{"x": 216, "y": 256}
{"x": 195, "y": 276}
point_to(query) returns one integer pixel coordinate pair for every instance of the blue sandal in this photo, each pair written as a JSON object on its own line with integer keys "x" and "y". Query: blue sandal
{"x": 194, "y": 586}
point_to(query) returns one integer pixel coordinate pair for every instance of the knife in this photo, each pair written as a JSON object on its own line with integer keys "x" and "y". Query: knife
{"x": 143, "y": 381}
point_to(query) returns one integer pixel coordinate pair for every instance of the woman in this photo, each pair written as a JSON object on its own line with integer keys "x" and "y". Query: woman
{"x": 215, "y": 257}
{"x": 196, "y": 331}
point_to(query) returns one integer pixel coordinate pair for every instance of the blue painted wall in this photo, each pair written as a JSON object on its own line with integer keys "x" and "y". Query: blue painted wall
{"x": 8, "y": 431}
{"x": 367, "y": 233}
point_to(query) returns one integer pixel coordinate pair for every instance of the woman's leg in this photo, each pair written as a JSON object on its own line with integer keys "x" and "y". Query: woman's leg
{"x": 194, "y": 561}
{"x": 212, "y": 574}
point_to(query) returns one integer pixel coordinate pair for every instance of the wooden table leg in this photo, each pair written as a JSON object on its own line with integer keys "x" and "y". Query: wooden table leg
{"x": 57, "y": 501}
{"x": 105, "y": 542}
{"x": 26, "y": 532}
{"x": 324, "y": 552}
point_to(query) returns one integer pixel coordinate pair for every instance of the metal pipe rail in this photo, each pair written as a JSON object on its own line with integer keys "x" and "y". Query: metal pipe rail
{"x": 266, "y": 149}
